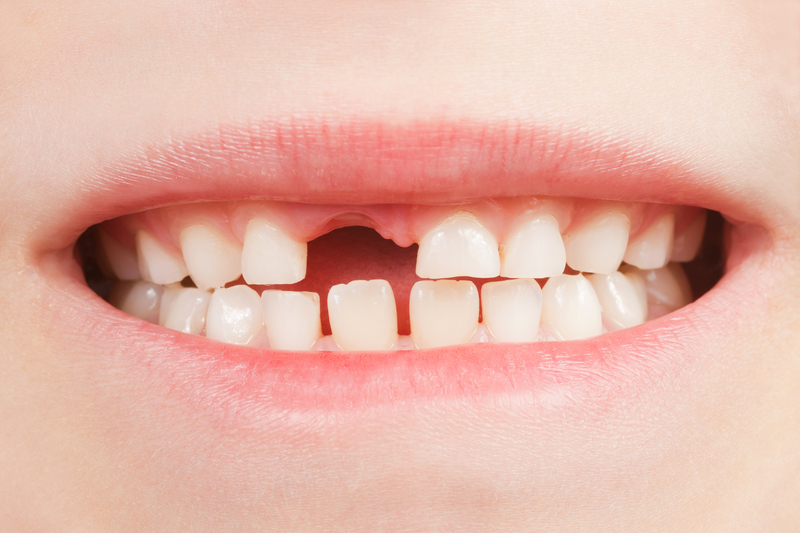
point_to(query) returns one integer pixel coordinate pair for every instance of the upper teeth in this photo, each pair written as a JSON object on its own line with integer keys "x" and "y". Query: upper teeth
{"x": 459, "y": 246}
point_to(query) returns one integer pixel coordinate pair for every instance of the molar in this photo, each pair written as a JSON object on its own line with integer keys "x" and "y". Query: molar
{"x": 459, "y": 246}
{"x": 234, "y": 315}
{"x": 598, "y": 246}
{"x": 571, "y": 308}
{"x": 621, "y": 297}
{"x": 363, "y": 315}
{"x": 212, "y": 259}
{"x": 291, "y": 319}
{"x": 185, "y": 310}
{"x": 652, "y": 248}
{"x": 687, "y": 242}
{"x": 137, "y": 298}
{"x": 271, "y": 257}
{"x": 534, "y": 249}
{"x": 156, "y": 263}
{"x": 511, "y": 309}
{"x": 443, "y": 313}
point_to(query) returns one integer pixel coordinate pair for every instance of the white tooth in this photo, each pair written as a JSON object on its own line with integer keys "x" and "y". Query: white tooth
{"x": 363, "y": 315}
{"x": 668, "y": 288}
{"x": 599, "y": 245}
{"x": 292, "y": 319}
{"x": 687, "y": 243}
{"x": 156, "y": 263}
{"x": 620, "y": 299}
{"x": 212, "y": 259}
{"x": 187, "y": 310}
{"x": 459, "y": 246}
{"x": 137, "y": 298}
{"x": 167, "y": 296}
{"x": 511, "y": 309}
{"x": 570, "y": 307}
{"x": 123, "y": 262}
{"x": 271, "y": 257}
{"x": 234, "y": 315}
{"x": 443, "y": 313}
{"x": 652, "y": 248}
{"x": 534, "y": 249}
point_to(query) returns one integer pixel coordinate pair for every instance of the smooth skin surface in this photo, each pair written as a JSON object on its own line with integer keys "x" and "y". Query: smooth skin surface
{"x": 715, "y": 447}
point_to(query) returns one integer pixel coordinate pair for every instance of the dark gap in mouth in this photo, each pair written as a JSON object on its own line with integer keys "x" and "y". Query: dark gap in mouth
{"x": 705, "y": 270}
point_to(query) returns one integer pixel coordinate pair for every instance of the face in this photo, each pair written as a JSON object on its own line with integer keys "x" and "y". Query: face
{"x": 571, "y": 232}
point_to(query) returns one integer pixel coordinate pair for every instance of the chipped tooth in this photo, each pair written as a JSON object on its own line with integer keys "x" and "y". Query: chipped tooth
{"x": 599, "y": 245}
{"x": 123, "y": 262}
{"x": 511, "y": 309}
{"x": 620, "y": 299}
{"x": 534, "y": 249}
{"x": 156, "y": 263}
{"x": 137, "y": 298}
{"x": 687, "y": 243}
{"x": 212, "y": 259}
{"x": 271, "y": 257}
{"x": 570, "y": 307}
{"x": 291, "y": 319}
{"x": 652, "y": 248}
{"x": 234, "y": 315}
{"x": 668, "y": 288}
{"x": 363, "y": 315}
{"x": 443, "y": 313}
{"x": 459, "y": 246}
{"x": 187, "y": 310}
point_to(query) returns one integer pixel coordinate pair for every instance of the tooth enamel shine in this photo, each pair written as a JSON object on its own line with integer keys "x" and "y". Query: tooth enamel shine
{"x": 234, "y": 315}
{"x": 534, "y": 249}
{"x": 137, "y": 298}
{"x": 291, "y": 319}
{"x": 443, "y": 313}
{"x": 599, "y": 245}
{"x": 156, "y": 263}
{"x": 511, "y": 309}
{"x": 571, "y": 308}
{"x": 187, "y": 311}
{"x": 270, "y": 256}
{"x": 622, "y": 304}
{"x": 212, "y": 259}
{"x": 652, "y": 248}
{"x": 363, "y": 315}
{"x": 459, "y": 246}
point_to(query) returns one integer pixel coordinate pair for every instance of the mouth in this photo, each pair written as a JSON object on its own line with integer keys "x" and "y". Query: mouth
{"x": 325, "y": 269}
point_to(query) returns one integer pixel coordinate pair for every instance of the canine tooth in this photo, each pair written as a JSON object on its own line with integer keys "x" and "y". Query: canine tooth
{"x": 570, "y": 307}
{"x": 667, "y": 287}
{"x": 511, "y": 309}
{"x": 156, "y": 263}
{"x": 599, "y": 245}
{"x": 443, "y": 313}
{"x": 291, "y": 319}
{"x": 652, "y": 248}
{"x": 123, "y": 262}
{"x": 459, "y": 246}
{"x": 687, "y": 243}
{"x": 534, "y": 249}
{"x": 212, "y": 259}
{"x": 137, "y": 298}
{"x": 363, "y": 315}
{"x": 619, "y": 299}
{"x": 187, "y": 310}
{"x": 270, "y": 256}
{"x": 234, "y": 315}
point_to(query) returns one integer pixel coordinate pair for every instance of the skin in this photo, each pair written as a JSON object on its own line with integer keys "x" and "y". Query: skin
{"x": 713, "y": 447}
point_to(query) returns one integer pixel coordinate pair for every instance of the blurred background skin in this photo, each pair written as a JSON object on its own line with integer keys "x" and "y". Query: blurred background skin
{"x": 717, "y": 82}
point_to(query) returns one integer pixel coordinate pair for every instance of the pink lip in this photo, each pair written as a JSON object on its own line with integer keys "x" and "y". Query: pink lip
{"x": 358, "y": 163}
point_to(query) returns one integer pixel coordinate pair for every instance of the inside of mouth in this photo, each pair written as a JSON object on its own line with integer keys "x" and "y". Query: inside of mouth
{"x": 309, "y": 277}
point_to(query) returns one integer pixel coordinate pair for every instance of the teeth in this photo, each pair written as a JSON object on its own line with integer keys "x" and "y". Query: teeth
{"x": 668, "y": 288}
{"x": 511, "y": 309}
{"x": 186, "y": 310}
{"x": 212, "y": 259}
{"x": 291, "y": 319}
{"x": 363, "y": 315}
{"x": 622, "y": 301}
{"x": 137, "y": 298}
{"x": 234, "y": 315}
{"x": 123, "y": 262}
{"x": 156, "y": 263}
{"x": 459, "y": 246}
{"x": 167, "y": 296}
{"x": 598, "y": 246}
{"x": 270, "y": 257}
{"x": 443, "y": 313}
{"x": 653, "y": 247}
{"x": 534, "y": 249}
{"x": 687, "y": 243}
{"x": 570, "y": 307}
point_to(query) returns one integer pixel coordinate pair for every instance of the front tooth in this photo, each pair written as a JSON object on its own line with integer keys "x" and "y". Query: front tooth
{"x": 291, "y": 319}
{"x": 687, "y": 243}
{"x": 137, "y": 298}
{"x": 459, "y": 246}
{"x": 570, "y": 307}
{"x": 443, "y": 313}
{"x": 212, "y": 259}
{"x": 156, "y": 263}
{"x": 123, "y": 262}
{"x": 234, "y": 315}
{"x": 668, "y": 288}
{"x": 363, "y": 315}
{"x": 534, "y": 249}
{"x": 652, "y": 248}
{"x": 270, "y": 257}
{"x": 620, "y": 299}
{"x": 598, "y": 246}
{"x": 187, "y": 310}
{"x": 511, "y": 309}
